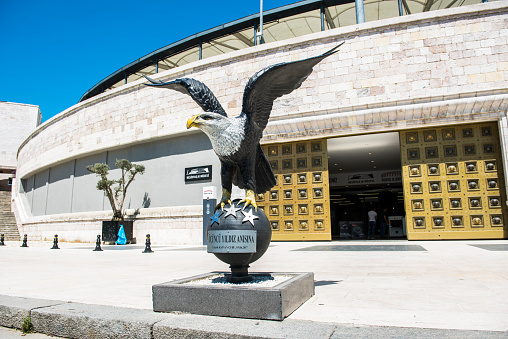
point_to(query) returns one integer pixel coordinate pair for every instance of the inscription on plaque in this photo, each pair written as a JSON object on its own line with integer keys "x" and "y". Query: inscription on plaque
{"x": 231, "y": 241}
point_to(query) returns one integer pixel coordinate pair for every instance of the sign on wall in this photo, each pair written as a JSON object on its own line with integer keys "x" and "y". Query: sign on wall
{"x": 198, "y": 173}
{"x": 375, "y": 177}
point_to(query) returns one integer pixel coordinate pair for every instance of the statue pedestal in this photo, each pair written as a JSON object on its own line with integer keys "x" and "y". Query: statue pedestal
{"x": 190, "y": 295}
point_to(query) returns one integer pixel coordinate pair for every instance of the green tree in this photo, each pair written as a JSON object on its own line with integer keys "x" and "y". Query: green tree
{"x": 116, "y": 195}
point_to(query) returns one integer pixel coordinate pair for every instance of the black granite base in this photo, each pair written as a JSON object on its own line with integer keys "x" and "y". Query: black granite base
{"x": 234, "y": 300}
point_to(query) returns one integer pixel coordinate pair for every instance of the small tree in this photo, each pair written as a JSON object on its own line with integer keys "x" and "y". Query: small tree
{"x": 116, "y": 195}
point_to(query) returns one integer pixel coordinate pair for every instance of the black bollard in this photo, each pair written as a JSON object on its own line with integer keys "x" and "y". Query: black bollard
{"x": 2, "y": 240}
{"x": 55, "y": 242}
{"x": 24, "y": 241}
{"x": 98, "y": 244}
{"x": 148, "y": 249}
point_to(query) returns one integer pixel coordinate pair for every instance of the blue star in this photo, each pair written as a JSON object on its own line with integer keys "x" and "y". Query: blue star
{"x": 215, "y": 217}
{"x": 249, "y": 217}
{"x": 231, "y": 211}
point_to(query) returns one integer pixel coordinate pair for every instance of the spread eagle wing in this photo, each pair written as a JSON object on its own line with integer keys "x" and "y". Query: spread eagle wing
{"x": 198, "y": 91}
{"x": 273, "y": 82}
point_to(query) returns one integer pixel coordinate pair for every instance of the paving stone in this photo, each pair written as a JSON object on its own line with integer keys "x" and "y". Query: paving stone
{"x": 222, "y": 328}
{"x": 14, "y": 310}
{"x": 75, "y": 320}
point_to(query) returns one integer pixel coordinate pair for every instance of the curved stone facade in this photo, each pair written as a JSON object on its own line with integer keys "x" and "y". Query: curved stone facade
{"x": 442, "y": 67}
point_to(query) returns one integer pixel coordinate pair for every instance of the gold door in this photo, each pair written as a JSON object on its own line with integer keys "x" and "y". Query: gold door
{"x": 298, "y": 206}
{"x": 453, "y": 182}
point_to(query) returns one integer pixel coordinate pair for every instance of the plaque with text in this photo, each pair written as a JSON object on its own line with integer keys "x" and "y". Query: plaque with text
{"x": 231, "y": 241}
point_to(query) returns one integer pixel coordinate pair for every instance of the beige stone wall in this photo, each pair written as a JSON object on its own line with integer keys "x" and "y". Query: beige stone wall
{"x": 439, "y": 67}
{"x": 175, "y": 223}
{"x": 17, "y": 122}
{"x": 419, "y": 58}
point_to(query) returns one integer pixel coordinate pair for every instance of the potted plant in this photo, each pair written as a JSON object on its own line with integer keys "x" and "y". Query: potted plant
{"x": 115, "y": 191}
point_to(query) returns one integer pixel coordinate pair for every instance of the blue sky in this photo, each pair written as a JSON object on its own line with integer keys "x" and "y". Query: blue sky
{"x": 51, "y": 52}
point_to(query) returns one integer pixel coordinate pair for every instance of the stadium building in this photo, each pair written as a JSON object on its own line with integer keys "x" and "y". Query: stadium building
{"x": 410, "y": 116}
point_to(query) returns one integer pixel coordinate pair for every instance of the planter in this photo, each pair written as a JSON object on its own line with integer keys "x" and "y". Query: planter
{"x": 110, "y": 230}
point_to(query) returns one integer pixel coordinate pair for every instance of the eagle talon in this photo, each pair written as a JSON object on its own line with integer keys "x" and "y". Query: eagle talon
{"x": 226, "y": 199}
{"x": 250, "y": 199}
{"x": 223, "y": 204}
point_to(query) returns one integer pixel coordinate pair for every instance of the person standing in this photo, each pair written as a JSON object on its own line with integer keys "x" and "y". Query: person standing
{"x": 383, "y": 220}
{"x": 372, "y": 223}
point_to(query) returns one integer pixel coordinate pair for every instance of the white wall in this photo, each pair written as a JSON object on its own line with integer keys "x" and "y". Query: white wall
{"x": 17, "y": 122}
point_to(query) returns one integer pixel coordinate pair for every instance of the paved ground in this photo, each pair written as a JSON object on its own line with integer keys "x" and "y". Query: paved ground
{"x": 435, "y": 284}
{"x": 9, "y": 333}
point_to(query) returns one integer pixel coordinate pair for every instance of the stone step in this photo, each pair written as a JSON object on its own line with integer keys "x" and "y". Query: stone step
{"x": 8, "y": 226}
{"x": 11, "y": 236}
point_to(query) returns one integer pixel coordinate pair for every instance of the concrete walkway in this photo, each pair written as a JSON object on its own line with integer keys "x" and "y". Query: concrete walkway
{"x": 398, "y": 285}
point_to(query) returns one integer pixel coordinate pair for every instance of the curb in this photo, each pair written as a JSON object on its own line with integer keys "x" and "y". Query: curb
{"x": 76, "y": 320}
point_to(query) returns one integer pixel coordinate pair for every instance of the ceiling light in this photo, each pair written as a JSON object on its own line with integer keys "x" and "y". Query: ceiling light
{"x": 372, "y": 161}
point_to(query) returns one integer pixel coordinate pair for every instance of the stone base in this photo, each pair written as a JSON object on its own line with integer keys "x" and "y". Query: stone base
{"x": 230, "y": 300}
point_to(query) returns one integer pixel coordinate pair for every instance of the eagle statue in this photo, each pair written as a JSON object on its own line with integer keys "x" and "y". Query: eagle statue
{"x": 235, "y": 140}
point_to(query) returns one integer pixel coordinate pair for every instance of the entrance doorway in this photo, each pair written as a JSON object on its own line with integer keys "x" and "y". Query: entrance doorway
{"x": 365, "y": 173}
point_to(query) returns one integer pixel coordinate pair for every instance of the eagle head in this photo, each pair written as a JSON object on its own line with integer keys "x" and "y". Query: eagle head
{"x": 207, "y": 122}
{"x": 226, "y": 134}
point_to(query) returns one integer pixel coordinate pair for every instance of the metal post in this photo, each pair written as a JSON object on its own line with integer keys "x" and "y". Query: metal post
{"x": 400, "y": 8}
{"x": 323, "y": 17}
{"x": 156, "y": 65}
{"x": 360, "y": 12}
{"x": 255, "y": 34}
{"x": 125, "y": 73}
{"x": 261, "y": 22}
{"x": 98, "y": 244}
{"x": 148, "y": 248}
{"x": 55, "y": 243}
{"x": 200, "y": 49}
{"x": 24, "y": 241}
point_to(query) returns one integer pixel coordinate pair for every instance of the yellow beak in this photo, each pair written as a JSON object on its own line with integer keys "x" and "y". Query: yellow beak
{"x": 191, "y": 122}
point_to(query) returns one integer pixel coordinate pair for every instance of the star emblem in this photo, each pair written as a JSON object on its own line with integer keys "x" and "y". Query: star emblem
{"x": 249, "y": 217}
{"x": 215, "y": 217}
{"x": 231, "y": 211}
